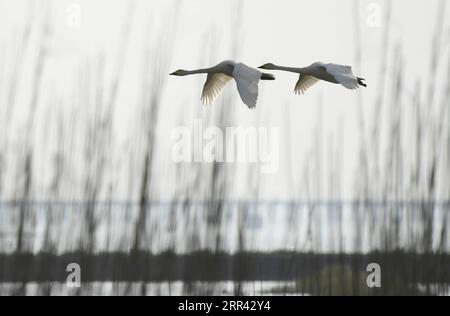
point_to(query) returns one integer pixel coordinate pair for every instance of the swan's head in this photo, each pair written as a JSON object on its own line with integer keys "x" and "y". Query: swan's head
{"x": 179, "y": 72}
{"x": 268, "y": 66}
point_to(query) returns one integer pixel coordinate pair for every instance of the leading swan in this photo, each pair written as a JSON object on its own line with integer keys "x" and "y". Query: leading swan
{"x": 247, "y": 80}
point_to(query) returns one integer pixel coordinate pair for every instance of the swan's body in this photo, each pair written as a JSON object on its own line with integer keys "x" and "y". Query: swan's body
{"x": 310, "y": 75}
{"x": 247, "y": 79}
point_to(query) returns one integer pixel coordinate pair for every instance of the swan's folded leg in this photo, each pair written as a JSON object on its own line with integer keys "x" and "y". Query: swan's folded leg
{"x": 361, "y": 82}
{"x": 266, "y": 76}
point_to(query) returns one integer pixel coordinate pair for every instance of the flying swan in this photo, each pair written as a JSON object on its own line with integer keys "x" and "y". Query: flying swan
{"x": 247, "y": 79}
{"x": 310, "y": 75}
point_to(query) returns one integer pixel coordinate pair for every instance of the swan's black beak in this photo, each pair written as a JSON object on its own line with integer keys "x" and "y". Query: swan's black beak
{"x": 172, "y": 74}
{"x": 261, "y": 67}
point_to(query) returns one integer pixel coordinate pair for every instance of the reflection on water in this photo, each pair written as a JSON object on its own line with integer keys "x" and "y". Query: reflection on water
{"x": 139, "y": 288}
{"x": 321, "y": 226}
{"x": 178, "y": 289}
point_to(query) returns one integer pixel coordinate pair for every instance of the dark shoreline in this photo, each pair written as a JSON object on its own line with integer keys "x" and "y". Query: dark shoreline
{"x": 208, "y": 266}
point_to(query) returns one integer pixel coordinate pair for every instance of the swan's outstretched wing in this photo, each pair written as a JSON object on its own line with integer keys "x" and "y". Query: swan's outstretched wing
{"x": 343, "y": 75}
{"x": 213, "y": 86}
{"x": 304, "y": 83}
{"x": 343, "y": 69}
{"x": 247, "y": 80}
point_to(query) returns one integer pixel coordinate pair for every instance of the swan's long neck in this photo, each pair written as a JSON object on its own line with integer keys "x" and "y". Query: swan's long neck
{"x": 290, "y": 69}
{"x": 198, "y": 71}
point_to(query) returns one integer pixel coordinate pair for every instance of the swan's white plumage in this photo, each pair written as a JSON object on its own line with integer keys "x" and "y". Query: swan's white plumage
{"x": 304, "y": 83}
{"x": 247, "y": 80}
{"x": 334, "y": 73}
{"x": 215, "y": 82}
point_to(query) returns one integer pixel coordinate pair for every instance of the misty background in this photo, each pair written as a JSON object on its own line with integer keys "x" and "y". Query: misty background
{"x": 87, "y": 110}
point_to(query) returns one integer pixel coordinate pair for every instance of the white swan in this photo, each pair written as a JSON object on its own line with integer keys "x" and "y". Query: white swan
{"x": 247, "y": 79}
{"x": 310, "y": 75}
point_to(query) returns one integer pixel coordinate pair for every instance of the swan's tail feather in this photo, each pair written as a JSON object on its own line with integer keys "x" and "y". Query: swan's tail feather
{"x": 266, "y": 76}
{"x": 361, "y": 82}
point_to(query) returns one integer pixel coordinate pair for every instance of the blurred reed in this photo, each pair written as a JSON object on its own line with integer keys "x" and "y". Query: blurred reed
{"x": 396, "y": 219}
